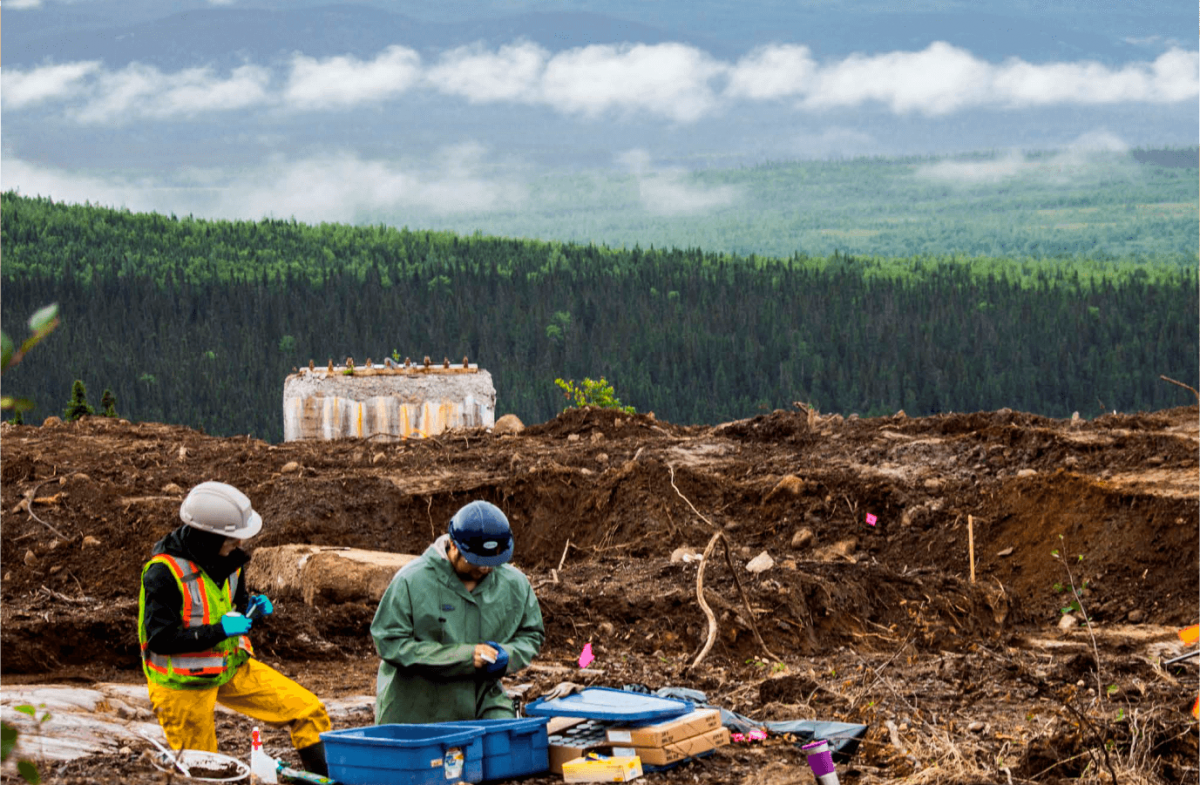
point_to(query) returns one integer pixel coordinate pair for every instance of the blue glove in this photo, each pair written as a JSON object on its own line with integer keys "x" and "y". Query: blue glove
{"x": 235, "y": 624}
{"x": 498, "y": 667}
{"x": 259, "y": 606}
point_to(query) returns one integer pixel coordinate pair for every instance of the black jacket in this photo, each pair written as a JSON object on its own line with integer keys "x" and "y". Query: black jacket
{"x": 164, "y": 603}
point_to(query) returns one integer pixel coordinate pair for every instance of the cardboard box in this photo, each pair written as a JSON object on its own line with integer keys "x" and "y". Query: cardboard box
{"x": 680, "y": 750}
{"x": 660, "y": 734}
{"x": 573, "y": 737}
{"x": 615, "y": 769}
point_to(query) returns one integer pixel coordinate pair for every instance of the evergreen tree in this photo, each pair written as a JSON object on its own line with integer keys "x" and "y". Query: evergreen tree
{"x": 78, "y": 406}
{"x": 108, "y": 402}
{"x": 18, "y": 418}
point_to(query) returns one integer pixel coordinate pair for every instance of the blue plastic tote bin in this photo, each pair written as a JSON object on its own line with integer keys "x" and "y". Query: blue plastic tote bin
{"x": 405, "y": 755}
{"x": 511, "y": 747}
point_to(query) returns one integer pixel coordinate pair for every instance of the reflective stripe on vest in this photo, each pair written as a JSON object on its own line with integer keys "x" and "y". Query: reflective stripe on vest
{"x": 197, "y": 611}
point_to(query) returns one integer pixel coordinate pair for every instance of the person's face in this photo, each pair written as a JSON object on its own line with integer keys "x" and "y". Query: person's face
{"x": 228, "y": 546}
{"x": 466, "y": 570}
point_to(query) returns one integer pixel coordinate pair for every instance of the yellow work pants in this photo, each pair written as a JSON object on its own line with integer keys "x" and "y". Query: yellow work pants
{"x": 256, "y": 690}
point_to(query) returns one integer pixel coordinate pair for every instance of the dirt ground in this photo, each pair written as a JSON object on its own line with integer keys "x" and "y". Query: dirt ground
{"x": 959, "y": 681}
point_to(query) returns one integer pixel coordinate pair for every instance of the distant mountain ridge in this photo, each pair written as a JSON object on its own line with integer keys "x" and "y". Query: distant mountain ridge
{"x": 230, "y": 36}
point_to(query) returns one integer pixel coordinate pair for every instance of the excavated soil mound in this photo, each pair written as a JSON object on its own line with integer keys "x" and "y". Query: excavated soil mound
{"x": 868, "y": 614}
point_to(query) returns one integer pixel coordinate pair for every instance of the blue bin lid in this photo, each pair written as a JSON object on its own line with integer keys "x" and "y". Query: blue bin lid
{"x": 605, "y": 703}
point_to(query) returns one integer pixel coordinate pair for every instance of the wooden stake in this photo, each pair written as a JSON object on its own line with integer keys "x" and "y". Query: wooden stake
{"x": 971, "y": 544}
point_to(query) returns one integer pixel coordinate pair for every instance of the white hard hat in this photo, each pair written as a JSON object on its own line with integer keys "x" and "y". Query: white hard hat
{"x": 221, "y": 509}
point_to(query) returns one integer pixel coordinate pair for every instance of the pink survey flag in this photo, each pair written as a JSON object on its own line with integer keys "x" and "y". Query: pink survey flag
{"x": 871, "y": 519}
{"x": 586, "y": 658}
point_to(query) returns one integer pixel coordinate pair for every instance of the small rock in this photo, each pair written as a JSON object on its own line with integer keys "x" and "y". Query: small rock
{"x": 1006, "y": 552}
{"x": 1067, "y": 622}
{"x": 790, "y": 485}
{"x": 1136, "y": 616}
{"x": 934, "y": 483}
{"x": 56, "y": 569}
{"x": 607, "y": 628}
{"x": 574, "y": 437}
{"x": 802, "y": 538}
{"x": 125, "y": 751}
{"x": 30, "y": 559}
{"x": 378, "y": 458}
{"x": 289, "y": 467}
{"x": 789, "y": 564}
{"x": 684, "y": 554}
{"x": 1074, "y": 418}
{"x": 975, "y": 727}
{"x": 597, "y": 436}
{"x": 1155, "y": 460}
{"x": 602, "y": 457}
{"x": 90, "y": 542}
{"x": 51, "y": 421}
{"x": 618, "y": 422}
{"x": 760, "y": 563}
{"x": 172, "y": 489}
{"x": 1027, "y": 473}
{"x": 183, "y": 452}
{"x": 845, "y": 548}
{"x": 1070, "y": 462}
{"x": 509, "y": 423}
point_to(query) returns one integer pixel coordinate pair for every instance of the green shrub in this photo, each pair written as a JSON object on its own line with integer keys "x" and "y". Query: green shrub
{"x": 592, "y": 393}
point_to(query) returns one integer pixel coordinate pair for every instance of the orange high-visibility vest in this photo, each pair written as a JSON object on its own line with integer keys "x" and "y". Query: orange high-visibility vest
{"x": 203, "y": 603}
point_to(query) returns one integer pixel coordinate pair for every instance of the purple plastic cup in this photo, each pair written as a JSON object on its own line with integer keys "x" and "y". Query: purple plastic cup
{"x": 820, "y": 760}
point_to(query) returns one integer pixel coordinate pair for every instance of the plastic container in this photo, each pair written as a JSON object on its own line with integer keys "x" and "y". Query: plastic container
{"x": 606, "y": 703}
{"x": 511, "y": 747}
{"x": 405, "y": 754}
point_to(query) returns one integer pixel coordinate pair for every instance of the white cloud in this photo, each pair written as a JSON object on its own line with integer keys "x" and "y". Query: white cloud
{"x": 1076, "y": 159}
{"x": 20, "y": 5}
{"x": 140, "y": 91}
{"x": 937, "y": 80}
{"x": 675, "y": 82}
{"x": 51, "y": 82}
{"x": 772, "y": 72}
{"x": 669, "y": 80}
{"x": 669, "y": 192}
{"x": 338, "y": 82}
{"x": 513, "y": 73}
{"x": 974, "y": 172}
{"x": 340, "y": 187}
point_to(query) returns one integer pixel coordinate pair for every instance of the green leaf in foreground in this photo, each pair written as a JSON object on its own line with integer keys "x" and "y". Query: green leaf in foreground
{"x": 41, "y": 321}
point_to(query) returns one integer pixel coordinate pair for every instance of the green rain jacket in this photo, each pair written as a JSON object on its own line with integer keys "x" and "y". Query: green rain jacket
{"x": 426, "y": 629}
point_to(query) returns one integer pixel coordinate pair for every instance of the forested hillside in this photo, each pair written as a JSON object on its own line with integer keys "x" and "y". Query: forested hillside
{"x": 1134, "y": 206}
{"x": 198, "y": 322}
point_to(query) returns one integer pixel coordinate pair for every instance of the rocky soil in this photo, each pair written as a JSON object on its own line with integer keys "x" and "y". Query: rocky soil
{"x": 959, "y": 680}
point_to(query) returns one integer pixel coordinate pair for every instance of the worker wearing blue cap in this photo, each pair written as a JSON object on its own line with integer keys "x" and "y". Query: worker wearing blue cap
{"x": 453, "y": 622}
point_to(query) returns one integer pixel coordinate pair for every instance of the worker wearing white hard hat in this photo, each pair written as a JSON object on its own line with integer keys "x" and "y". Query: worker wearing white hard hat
{"x": 194, "y": 616}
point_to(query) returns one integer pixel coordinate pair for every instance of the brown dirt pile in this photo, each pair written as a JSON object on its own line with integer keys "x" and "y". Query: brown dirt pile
{"x": 878, "y": 624}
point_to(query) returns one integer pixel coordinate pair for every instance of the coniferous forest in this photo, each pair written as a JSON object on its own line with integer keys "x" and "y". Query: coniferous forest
{"x": 198, "y": 322}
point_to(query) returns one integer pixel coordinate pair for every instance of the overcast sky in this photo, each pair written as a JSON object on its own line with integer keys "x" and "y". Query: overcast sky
{"x": 305, "y": 131}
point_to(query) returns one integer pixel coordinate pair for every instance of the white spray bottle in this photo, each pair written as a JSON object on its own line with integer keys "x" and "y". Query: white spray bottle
{"x": 262, "y": 765}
